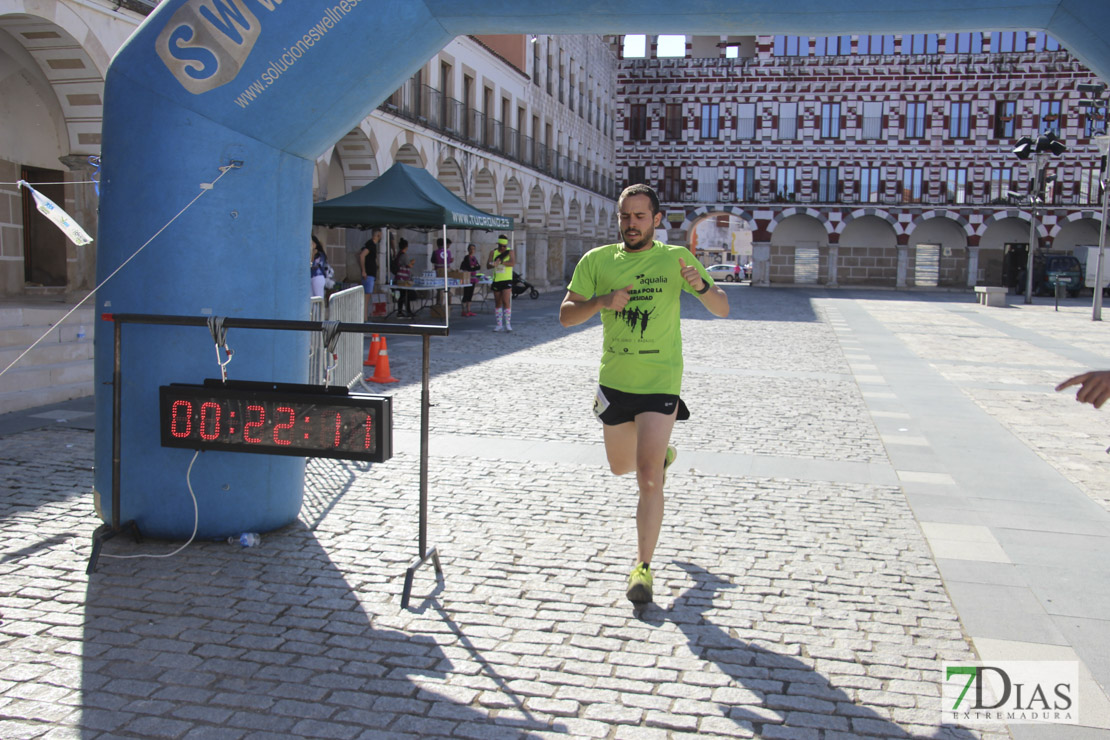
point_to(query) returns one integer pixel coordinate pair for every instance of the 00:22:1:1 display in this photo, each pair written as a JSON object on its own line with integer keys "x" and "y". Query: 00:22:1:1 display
{"x": 332, "y": 430}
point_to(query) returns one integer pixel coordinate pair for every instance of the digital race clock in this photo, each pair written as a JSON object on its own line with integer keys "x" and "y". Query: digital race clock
{"x": 277, "y": 419}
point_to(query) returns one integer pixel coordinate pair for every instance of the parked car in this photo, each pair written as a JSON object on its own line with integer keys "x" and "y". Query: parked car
{"x": 1050, "y": 268}
{"x": 726, "y": 272}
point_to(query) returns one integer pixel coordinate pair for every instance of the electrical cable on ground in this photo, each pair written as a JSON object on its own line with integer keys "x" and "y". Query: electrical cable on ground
{"x": 196, "y": 522}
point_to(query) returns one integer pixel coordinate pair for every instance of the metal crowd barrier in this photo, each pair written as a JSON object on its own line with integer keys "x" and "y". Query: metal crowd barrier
{"x": 346, "y": 306}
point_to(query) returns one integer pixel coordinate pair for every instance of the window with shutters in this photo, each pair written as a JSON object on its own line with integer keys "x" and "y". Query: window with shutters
{"x": 636, "y": 175}
{"x": 830, "y": 120}
{"x": 955, "y": 183}
{"x": 745, "y": 184}
{"x": 870, "y": 190}
{"x": 959, "y": 120}
{"x": 1005, "y": 113}
{"x": 785, "y": 184}
{"x": 788, "y": 120}
{"x": 637, "y": 121}
{"x": 710, "y": 120}
{"x": 828, "y": 184}
{"x": 915, "y": 120}
{"x": 745, "y": 121}
{"x": 672, "y": 122}
{"x": 672, "y": 186}
{"x": 913, "y": 182}
{"x": 707, "y": 184}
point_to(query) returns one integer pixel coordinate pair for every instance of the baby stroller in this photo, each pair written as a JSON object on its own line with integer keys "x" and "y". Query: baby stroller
{"x": 520, "y": 285}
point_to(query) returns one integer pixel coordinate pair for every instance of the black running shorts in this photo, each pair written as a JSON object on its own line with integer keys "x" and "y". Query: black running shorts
{"x": 612, "y": 407}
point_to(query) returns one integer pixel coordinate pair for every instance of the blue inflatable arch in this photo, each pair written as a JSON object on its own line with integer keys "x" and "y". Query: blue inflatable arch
{"x": 272, "y": 84}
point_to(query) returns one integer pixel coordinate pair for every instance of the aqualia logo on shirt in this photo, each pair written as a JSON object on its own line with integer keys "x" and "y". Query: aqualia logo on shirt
{"x": 206, "y": 42}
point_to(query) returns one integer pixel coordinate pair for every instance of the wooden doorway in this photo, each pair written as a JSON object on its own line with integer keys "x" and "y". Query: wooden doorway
{"x": 44, "y": 244}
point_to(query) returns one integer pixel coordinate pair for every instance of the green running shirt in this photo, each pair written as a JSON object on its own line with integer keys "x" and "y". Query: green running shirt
{"x": 642, "y": 350}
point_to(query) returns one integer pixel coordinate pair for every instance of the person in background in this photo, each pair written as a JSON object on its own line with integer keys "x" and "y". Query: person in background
{"x": 368, "y": 263}
{"x": 442, "y": 256}
{"x": 1094, "y": 387}
{"x": 469, "y": 264}
{"x": 318, "y": 268}
{"x": 636, "y": 285}
{"x": 402, "y": 275}
{"x": 501, "y": 262}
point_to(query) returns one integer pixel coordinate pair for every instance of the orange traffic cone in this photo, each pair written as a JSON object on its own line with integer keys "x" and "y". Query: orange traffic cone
{"x": 381, "y": 369}
{"x": 372, "y": 356}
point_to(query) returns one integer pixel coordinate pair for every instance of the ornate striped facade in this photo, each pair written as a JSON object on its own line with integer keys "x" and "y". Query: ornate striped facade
{"x": 888, "y": 169}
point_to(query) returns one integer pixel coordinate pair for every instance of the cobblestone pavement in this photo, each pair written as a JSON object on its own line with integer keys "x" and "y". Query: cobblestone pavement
{"x": 790, "y": 604}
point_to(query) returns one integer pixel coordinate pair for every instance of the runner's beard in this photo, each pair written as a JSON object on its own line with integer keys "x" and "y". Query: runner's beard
{"x": 645, "y": 241}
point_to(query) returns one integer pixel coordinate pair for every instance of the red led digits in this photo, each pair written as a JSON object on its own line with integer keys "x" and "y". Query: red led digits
{"x": 210, "y": 408}
{"x": 251, "y": 425}
{"x": 176, "y": 415}
{"x": 284, "y": 425}
{"x": 269, "y": 420}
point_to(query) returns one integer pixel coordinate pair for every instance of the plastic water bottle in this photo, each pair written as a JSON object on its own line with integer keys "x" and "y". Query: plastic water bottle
{"x": 247, "y": 539}
{"x": 80, "y": 332}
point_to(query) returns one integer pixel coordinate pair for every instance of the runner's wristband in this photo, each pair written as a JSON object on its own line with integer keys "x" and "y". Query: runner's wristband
{"x": 704, "y": 288}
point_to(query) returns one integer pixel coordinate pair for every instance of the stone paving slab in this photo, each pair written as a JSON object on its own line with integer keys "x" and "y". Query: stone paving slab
{"x": 789, "y": 603}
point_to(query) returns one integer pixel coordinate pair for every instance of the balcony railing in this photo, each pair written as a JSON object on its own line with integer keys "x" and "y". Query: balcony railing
{"x": 431, "y": 108}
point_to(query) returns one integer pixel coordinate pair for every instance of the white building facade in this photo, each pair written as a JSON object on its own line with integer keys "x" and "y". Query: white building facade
{"x": 516, "y": 125}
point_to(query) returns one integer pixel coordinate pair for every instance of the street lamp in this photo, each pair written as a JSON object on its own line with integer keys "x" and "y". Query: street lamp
{"x": 1096, "y": 306}
{"x": 1025, "y": 147}
{"x": 1096, "y": 109}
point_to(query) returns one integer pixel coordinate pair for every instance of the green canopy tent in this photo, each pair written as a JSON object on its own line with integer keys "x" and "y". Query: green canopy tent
{"x": 406, "y": 197}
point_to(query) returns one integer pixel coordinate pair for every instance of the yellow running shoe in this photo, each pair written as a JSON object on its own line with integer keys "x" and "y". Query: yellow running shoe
{"x": 668, "y": 459}
{"x": 639, "y": 585}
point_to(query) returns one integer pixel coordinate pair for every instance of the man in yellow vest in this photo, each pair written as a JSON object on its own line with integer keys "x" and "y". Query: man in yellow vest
{"x": 501, "y": 262}
{"x": 637, "y": 286}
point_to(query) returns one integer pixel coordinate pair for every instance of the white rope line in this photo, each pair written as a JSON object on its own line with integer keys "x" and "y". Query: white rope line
{"x": 203, "y": 189}
{"x": 66, "y": 182}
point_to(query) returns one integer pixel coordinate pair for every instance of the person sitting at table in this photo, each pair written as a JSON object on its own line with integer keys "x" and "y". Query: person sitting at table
{"x": 402, "y": 275}
{"x": 469, "y": 264}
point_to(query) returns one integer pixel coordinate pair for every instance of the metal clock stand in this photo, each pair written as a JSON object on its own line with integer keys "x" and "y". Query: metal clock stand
{"x": 425, "y": 551}
{"x": 107, "y": 530}
{"x": 426, "y": 332}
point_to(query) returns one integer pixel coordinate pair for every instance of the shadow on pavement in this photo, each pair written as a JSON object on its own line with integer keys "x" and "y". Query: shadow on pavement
{"x": 778, "y": 691}
{"x": 273, "y": 640}
{"x": 325, "y": 484}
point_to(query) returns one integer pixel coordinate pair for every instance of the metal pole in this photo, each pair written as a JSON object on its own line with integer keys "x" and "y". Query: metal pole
{"x": 1034, "y": 182}
{"x": 1097, "y": 312}
{"x": 425, "y": 406}
{"x": 117, "y": 395}
{"x": 1103, "y": 180}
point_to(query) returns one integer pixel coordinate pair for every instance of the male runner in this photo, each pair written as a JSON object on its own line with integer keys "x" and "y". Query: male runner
{"x": 641, "y": 362}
